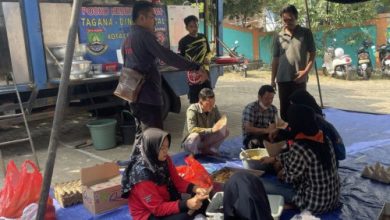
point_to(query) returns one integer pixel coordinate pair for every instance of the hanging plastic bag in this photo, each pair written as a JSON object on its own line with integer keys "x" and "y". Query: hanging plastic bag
{"x": 21, "y": 188}
{"x": 195, "y": 173}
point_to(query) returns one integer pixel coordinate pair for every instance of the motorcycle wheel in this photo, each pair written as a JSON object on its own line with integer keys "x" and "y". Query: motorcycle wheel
{"x": 368, "y": 73}
{"x": 244, "y": 72}
{"x": 348, "y": 73}
{"x": 325, "y": 71}
{"x": 345, "y": 73}
{"x": 386, "y": 72}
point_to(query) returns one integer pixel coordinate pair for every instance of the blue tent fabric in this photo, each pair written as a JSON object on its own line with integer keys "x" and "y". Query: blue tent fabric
{"x": 367, "y": 139}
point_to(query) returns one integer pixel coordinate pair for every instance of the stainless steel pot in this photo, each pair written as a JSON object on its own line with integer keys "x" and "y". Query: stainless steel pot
{"x": 59, "y": 51}
{"x": 79, "y": 67}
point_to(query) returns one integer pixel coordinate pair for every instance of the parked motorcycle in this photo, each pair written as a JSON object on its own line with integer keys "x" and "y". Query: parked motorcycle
{"x": 384, "y": 57}
{"x": 364, "y": 63}
{"x": 242, "y": 65}
{"x": 336, "y": 63}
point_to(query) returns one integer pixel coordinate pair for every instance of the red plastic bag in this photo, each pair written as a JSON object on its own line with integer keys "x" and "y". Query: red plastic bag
{"x": 21, "y": 188}
{"x": 195, "y": 173}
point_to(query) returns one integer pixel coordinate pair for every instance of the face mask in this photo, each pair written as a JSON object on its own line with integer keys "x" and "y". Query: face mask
{"x": 262, "y": 105}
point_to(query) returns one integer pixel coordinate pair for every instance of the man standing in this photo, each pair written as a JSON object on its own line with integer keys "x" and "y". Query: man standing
{"x": 205, "y": 129}
{"x": 258, "y": 118}
{"x": 140, "y": 51}
{"x": 293, "y": 57}
{"x": 195, "y": 47}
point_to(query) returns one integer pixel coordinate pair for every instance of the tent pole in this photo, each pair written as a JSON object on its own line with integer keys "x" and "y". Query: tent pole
{"x": 59, "y": 111}
{"x": 315, "y": 63}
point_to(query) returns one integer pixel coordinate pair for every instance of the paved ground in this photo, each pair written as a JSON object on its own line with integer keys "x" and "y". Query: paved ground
{"x": 232, "y": 93}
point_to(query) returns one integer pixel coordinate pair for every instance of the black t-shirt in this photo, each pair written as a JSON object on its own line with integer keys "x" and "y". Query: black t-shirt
{"x": 194, "y": 48}
{"x": 140, "y": 50}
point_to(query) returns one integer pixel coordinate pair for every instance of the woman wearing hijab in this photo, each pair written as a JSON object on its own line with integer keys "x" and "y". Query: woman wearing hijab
{"x": 303, "y": 97}
{"x": 245, "y": 198}
{"x": 308, "y": 169}
{"x": 151, "y": 182}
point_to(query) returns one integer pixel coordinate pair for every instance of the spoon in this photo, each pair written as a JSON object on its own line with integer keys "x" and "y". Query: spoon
{"x": 246, "y": 154}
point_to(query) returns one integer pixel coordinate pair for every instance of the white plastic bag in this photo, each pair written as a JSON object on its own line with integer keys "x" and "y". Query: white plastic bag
{"x": 305, "y": 215}
{"x": 29, "y": 213}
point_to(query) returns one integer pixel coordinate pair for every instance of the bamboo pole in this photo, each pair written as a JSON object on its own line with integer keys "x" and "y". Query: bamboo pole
{"x": 59, "y": 111}
{"x": 315, "y": 63}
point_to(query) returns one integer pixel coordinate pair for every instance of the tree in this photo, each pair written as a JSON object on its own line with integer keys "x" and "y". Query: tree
{"x": 385, "y": 7}
{"x": 173, "y": 2}
{"x": 242, "y": 9}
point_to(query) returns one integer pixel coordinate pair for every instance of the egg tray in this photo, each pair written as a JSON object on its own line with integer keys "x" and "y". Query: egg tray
{"x": 68, "y": 193}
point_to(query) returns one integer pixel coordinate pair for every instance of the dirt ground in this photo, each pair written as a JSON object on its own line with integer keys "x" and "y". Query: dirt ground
{"x": 233, "y": 92}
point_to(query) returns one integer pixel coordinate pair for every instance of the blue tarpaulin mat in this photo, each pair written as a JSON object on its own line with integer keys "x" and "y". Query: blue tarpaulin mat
{"x": 367, "y": 137}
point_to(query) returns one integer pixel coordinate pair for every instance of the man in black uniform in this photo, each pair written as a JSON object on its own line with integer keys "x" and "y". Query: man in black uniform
{"x": 194, "y": 47}
{"x": 140, "y": 51}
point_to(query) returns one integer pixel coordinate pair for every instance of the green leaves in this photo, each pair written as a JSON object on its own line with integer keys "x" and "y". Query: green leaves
{"x": 242, "y": 9}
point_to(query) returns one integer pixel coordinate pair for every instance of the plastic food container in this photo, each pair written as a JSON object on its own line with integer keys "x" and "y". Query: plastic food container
{"x": 251, "y": 158}
{"x": 274, "y": 149}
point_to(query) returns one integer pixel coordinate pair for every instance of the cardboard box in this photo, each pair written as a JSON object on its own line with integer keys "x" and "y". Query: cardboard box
{"x": 385, "y": 213}
{"x": 101, "y": 188}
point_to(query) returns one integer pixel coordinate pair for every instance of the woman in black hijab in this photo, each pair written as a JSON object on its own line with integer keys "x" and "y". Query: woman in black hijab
{"x": 245, "y": 198}
{"x": 303, "y": 97}
{"x": 309, "y": 166}
{"x": 151, "y": 182}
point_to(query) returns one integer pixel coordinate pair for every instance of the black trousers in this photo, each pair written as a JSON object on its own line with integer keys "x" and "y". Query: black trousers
{"x": 148, "y": 115}
{"x": 180, "y": 216}
{"x": 193, "y": 91}
{"x": 285, "y": 90}
{"x": 256, "y": 141}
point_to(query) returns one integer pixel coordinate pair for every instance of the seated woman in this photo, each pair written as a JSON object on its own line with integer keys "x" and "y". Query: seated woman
{"x": 245, "y": 198}
{"x": 308, "y": 170}
{"x": 152, "y": 185}
{"x": 303, "y": 97}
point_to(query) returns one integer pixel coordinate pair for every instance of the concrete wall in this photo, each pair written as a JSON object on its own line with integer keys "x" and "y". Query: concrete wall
{"x": 341, "y": 35}
{"x": 244, "y": 38}
{"x": 265, "y": 48}
{"x": 261, "y": 46}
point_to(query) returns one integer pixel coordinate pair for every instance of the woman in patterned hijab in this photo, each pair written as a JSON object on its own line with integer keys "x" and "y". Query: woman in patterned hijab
{"x": 151, "y": 182}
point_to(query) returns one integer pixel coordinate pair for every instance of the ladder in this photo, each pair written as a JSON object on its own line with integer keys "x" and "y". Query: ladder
{"x": 21, "y": 114}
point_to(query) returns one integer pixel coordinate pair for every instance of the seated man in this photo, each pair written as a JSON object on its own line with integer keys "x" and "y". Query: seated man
{"x": 205, "y": 129}
{"x": 258, "y": 118}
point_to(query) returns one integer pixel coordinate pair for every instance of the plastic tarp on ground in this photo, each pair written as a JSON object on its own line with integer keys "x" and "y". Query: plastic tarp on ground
{"x": 367, "y": 138}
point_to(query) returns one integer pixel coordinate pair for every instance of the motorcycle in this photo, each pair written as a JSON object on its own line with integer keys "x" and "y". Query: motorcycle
{"x": 242, "y": 65}
{"x": 384, "y": 58}
{"x": 336, "y": 63}
{"x": 364, "y": 63}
